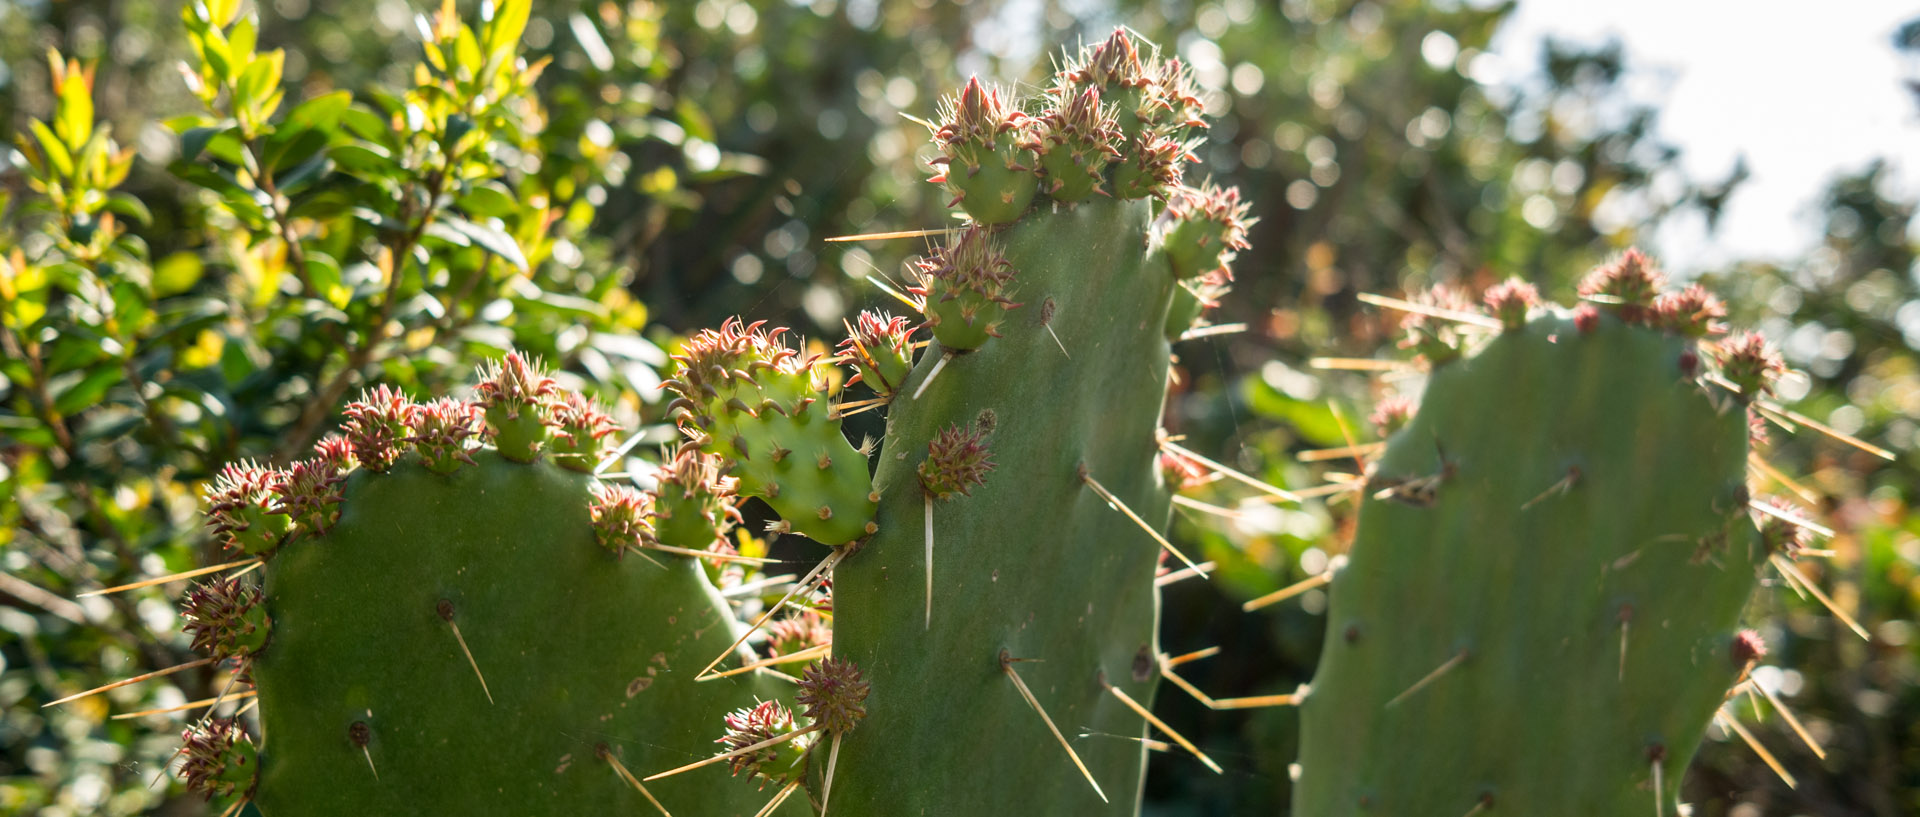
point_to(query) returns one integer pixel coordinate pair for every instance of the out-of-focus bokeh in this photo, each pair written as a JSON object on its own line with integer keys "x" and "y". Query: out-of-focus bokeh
{"x": 705, "y": 150}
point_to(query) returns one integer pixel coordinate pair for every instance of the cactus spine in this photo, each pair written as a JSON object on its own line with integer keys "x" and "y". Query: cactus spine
{"x": 1540, "y": 612}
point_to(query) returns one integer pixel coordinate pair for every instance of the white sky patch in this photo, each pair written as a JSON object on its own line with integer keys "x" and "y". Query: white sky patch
{"x": 1806, "y": 92}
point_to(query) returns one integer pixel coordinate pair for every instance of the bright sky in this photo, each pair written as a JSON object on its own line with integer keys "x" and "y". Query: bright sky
{"x": 1804, "y": 94}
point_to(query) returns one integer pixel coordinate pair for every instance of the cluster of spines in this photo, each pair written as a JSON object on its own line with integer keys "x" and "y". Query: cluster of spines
{"x": 220, "y": 759}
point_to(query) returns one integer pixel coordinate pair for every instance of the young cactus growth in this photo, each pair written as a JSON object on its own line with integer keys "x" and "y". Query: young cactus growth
{"x": 1540, "y": 614}
{"x": 447, "y": 628}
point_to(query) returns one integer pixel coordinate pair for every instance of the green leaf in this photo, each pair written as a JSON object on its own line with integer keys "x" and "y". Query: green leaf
{"x": 364, "y": 159}
{"x": 488, "y": 199}
{"x": 325, "y": 274}
{"x": 242, "y": 39}
{"x": 131, "y": 206}
{"x": 322, "y": 112}
{"x": 72, "y": 396}
{"x": 176, "y": 273}
{"x": 504, "y": 30}
{"x": 491, "y": 239}
{"x": 75, "y": 118}
{"x": 366, "y": 124}
{"x": 56, "y": 152}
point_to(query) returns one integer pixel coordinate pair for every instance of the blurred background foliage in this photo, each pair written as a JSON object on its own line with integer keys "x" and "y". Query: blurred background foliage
{"x": 676, "y": 163}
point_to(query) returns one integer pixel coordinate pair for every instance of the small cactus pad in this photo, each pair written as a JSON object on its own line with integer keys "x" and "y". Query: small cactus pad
{"x": 747, "y": 397}
{"x": 441, "y": 631}
{"x": 1544, "y": 592}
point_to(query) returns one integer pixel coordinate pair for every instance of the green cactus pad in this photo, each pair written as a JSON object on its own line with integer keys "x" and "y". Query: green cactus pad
{"x": 578, "y": 648}
{"x": 1543, "y": 595}
{"x": 1033, "y": 562}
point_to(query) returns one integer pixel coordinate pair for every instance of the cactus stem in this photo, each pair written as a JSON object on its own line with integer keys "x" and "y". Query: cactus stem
{"x": 1359, "y": 364}
{"x": 781, "y": 797}
{"x": 1785, "y": 417}
{"x": 1006, "y": 665}
{"x": 1789, "y": 518}
{"x": 744, "y": 750}
{"x": 1325, "y": 454}
{"x": 1807, "y": 496}
{"x": 888, "y": 235}
{"x": 929, "y": 624}
{"x": 1116, "y": 504}
{"x": 1450, "y": 664}
{"x": 941, "y": 364}
{"x": 1213, "y": 331}
{"x": 1787, "y": 715}
{"x": 808, "y": 654}
{"x": 204, "y": 702}
{"x": 1164, "y": 728}
{"x": 174, "y": 577}
{"x": 805, "y": 585}
{"x": 1787, "y": 569}
{"x": 1455, "y": 315}
{"x": 1733, "y": 725}
{"x": 1202, "y": 569}
{"x": 833, "y": 760}
{"x": 1559, "y": 488}
{"x": 445, "y": 608}
{"x": 1289, "y": 591}
{"x": 621, "y": 769}
{"x": 134, "y": 680}
{"x": 1229, "y": 472}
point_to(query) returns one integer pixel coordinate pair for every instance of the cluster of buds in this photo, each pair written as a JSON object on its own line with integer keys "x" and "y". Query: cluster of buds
{"x": 1747, "y": 648}
{"x": 1180, "y": 473}
{"x": 310, "y": 494}
{"x": 1778, "y": 532}
{"x": 443, "y": 430}
{"x": 1391, "y": 414}
{"x": 377, "y": 427}
{"x": 1747, "y": 362}
{"x": 957, "y": 460}
{"x": 1511, "y": 301}
{"x": 740, "y": 369}
{"x": 1435, "y": 338}
{"x": 1110, "y": 112}
{"x": 1627, "y": 286}
{"x": 519, "y": 408}
{"x": 966, "y": 288}
{"x": 578, "y": 427}
{"x": 226, "y": 619}
{"x": 795, "y": 634}
{"x": 879, "y": 347}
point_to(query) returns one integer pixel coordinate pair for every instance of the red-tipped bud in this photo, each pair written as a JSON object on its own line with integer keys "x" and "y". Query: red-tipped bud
{"x": 1510, "y": 301}
{"x": 240, "y": 508}
{"x": 622, "y": 517}
{"x": 311, "y": 495}
{"x": 442, "y": 431}
{"x": 880, "y": 350}
{"x": 335, "y": 451}
{"x": 1691, "y": 312}
{"x": 1203, "y": 229}
{"x": 377, "y": 424}
{"x": 1436, "y": 339}
{"x": 1747, "y": 648}
{"x": 579, "y": 426}
{"x": 221, "y": 760}
{"x": 1586, "y": 318}
{"x": 763, "y": 722}
{"x": 834, "y": 695}
{"x": 1181, "y": 473}
{"x": 797, "y": 633}
{"x": 514, "y": 394}
{"x": 1391, "y": 415}
{"x": 957, "y": 459}
{"x": 966, "y": 288}
{"x": 1749, "y": 364}
{"x": 1628, "y": 285}
{"x": 1778, "y": 532}
{"x": 226, "y": 619}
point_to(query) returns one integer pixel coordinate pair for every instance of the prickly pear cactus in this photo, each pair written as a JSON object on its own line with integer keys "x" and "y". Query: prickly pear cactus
{"x": 993, "y": 581}
{"x": 1540, "y": 612}
{"x": 453, "y": 616}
